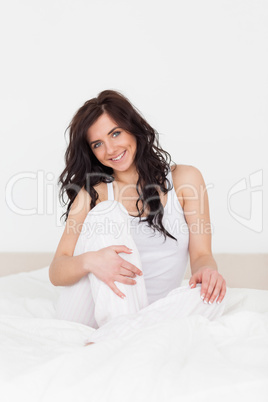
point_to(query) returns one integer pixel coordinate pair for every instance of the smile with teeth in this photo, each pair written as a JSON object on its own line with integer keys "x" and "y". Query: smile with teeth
{"x": 119, "y": 156}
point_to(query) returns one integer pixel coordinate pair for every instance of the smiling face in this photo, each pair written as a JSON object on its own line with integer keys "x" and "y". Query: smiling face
{"x": 112, "y": 146}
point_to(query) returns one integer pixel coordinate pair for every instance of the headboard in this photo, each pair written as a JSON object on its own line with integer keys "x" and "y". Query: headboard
{"x": 239, "y": 270}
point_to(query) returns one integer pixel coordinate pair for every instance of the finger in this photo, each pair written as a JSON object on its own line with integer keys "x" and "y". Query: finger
{"x": 222, "y": 293}
{"x": 130, "y": 267}
{"x": 216, "y": 291}
{"x": 126, "y": 272}
{"x": 211, "y": 286}
{"x": 122, "y": 249}
{"x": 116, "y": 290}
{"x": 125, "y": 280}
{"x": 192, "y": 283}
{"x": 196, "y": 278}
{"x": 205, "y": 283}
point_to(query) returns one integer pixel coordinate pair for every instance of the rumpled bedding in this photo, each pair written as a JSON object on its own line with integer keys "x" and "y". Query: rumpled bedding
{"x": 188, "y": 359}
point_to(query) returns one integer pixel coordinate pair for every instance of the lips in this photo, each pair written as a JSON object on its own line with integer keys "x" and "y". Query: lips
{"x": 118, "y": 157}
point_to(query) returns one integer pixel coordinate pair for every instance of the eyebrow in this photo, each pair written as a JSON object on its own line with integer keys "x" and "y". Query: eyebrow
{"x": 110, "y": 132}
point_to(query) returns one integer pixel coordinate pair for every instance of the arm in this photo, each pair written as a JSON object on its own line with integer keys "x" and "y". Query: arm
{"x": 196, "y": 210}
{"x": 66, "y": 269}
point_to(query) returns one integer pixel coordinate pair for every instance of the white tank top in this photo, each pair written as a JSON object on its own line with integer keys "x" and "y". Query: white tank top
{"x": 163, "y": 262}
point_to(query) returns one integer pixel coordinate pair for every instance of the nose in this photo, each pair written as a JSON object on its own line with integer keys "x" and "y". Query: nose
{"x": 110, "y": 149}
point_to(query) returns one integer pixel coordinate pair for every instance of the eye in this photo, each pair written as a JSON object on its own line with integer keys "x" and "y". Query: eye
{"x": 96, "y": 145}
{"x": 114, "y": 135}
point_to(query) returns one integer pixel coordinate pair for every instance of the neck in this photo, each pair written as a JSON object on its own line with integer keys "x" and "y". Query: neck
{"x": 126, "y": 177}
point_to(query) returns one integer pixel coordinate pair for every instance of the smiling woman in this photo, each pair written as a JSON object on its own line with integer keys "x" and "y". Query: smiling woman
{"x": 116, "y": 149}
{"x": 117, "y": 176}
{"x": 93, "y": 156}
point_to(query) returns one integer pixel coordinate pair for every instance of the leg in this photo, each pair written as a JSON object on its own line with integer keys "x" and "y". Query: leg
{"x": 179, "y": 303}
{"x": 90, "y": 301}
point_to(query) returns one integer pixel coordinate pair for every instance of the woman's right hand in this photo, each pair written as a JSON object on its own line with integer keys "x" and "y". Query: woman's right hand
{"x": 109, "y": 267}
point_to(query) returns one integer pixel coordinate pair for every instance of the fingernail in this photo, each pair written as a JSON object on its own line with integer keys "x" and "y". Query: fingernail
{"x": 202, "y": 296}
{"x": 205, "y": 301}
{"x": 209, "y": 302}
{"x": 218, "y": 302}
{"x": 192, "y": 285}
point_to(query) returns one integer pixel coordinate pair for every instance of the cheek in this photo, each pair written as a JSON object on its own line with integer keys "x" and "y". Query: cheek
{"x": 135, "y": 144}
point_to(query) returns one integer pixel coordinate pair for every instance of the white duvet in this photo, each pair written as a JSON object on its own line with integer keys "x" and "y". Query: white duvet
{"x": 187, "y": 359}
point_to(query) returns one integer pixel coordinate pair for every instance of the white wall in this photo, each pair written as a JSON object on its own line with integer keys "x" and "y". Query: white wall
{"x": 197, "y": 70}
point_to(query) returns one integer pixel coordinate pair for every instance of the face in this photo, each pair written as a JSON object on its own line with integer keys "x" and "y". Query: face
{"x": 112, "y": 146}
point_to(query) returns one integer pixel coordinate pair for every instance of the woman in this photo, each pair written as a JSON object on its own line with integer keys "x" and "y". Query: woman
{"x": 117, "y": 174}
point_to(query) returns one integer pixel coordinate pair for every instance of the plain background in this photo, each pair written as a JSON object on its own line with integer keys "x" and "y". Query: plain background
{"x": 197, "y": 71}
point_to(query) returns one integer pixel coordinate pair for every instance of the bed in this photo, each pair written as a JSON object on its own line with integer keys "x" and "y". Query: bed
{"x": 191, "y": 359}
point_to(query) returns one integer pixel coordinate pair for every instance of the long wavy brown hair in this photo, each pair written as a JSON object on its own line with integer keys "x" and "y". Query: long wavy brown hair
{"x": 83, "y": 169}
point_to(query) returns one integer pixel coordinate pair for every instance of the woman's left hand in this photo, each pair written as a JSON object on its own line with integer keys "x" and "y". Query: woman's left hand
{"x": 213, "y": 284}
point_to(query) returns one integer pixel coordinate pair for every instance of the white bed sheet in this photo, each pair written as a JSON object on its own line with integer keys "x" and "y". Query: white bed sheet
{"x": 189, "y": 359}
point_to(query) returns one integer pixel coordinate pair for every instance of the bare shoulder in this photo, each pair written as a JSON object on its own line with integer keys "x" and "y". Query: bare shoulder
{"x": 183, "y": 174}
{"x": 76, "y": 217}
{"x": 81, "y": 204}
{"x": 77, "y": 214}
{"x": 186, "y": 180}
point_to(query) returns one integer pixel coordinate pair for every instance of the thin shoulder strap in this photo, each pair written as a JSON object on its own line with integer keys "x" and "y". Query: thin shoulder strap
{"x": 171, "y": 193}
{"x": 169, "y": 177}
{"x": 110, "y": 191}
